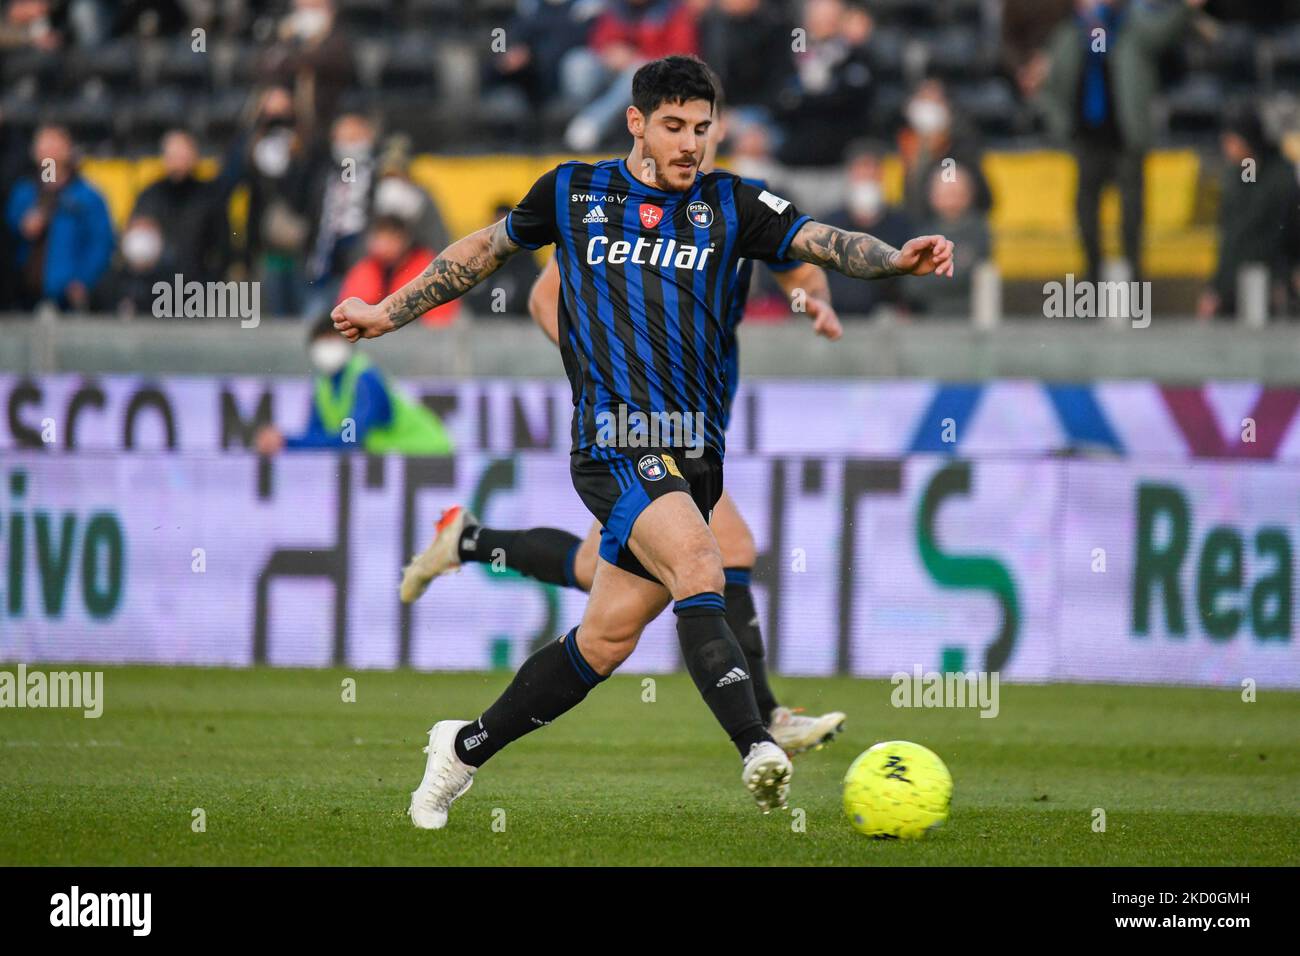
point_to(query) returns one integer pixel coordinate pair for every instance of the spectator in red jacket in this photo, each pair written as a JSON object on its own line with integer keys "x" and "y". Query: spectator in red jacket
{"x": 392, "y": 259}
{"x": 628, "y": 34}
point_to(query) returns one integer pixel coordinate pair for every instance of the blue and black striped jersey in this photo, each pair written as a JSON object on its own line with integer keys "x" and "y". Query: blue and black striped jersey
{"x": 648, "y": 280}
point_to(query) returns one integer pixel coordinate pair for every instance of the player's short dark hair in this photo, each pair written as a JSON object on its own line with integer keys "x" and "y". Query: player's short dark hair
{"x": 320, "y": 328}
{"x": 673, "y": 79}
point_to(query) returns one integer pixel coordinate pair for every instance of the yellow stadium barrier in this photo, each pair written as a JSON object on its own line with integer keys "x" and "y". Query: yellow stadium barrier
{"x": 1032, "y": 220}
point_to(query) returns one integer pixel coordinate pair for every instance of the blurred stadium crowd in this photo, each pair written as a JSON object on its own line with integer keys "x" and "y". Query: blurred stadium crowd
{"x": 877, "y": 115}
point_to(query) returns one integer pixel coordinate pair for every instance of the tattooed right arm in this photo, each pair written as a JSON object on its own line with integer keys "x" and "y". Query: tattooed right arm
{"x": 457, "y": 269}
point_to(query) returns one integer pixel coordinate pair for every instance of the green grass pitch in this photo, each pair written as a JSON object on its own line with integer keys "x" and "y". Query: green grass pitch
{"x": 288, "y": 773}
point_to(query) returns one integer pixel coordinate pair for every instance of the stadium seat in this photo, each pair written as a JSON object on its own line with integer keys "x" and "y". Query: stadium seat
{"x": 1233, "y": 56}
{"x": 886, "y": 49}
{"x": 116, "y": 64}
{"x": 179, "y": 64}
{"x": 957, "y": 53}
{"x": 407, "y": 63}
{"x": 366, "y": 17}
{"x": 20, "y": 105}
{"x": 1194, "y": 106}
{"x": 217, "y": 117}
{"x": 990, "y": 103}
{"x": 1034, "y": 226}
{"x": 1283, "y": 56}
{"x": 43, "y": 69}
{"x": 909, "y": 13}
{"x": 147, "y": 117}
{"x": 89, "y": 114}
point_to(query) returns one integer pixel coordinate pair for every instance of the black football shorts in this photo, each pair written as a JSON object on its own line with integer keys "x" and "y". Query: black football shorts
{"x": 617, "y": 484}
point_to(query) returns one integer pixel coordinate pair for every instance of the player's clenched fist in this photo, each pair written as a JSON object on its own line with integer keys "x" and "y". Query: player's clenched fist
{"x": 926, "y": 254}
{"x": 355, "y": 319}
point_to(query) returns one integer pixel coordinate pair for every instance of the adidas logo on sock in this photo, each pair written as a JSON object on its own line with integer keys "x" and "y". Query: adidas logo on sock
{"x": 597, "y": 214}
{"x": 733, "y": 676}
{"x": 469, "y": 538}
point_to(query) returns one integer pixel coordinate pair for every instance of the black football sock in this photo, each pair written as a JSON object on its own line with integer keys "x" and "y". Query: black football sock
{"x": 742, "y": 618}
{"x": 551, "y": 682}
{"x": 717, "y": 666}
{"x": 543, "y": 553}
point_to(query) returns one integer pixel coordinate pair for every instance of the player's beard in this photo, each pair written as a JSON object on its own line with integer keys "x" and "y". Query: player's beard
{"x": 671, "y": 177}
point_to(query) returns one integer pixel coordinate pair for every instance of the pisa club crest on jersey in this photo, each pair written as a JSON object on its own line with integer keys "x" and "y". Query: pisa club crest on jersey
{"x": 700, "y": 213}
{"x": 650, "y": 215}
{"x": 651, "y": 467}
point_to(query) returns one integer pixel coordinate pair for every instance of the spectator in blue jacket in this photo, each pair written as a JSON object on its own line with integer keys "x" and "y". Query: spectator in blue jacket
{"x": 63, "y": 232}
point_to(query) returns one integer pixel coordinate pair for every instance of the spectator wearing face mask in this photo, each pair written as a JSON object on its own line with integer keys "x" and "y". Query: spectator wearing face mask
{"x": 343, "y": 185}
{"x": 355, "y": 407}
{"x": 128, "y": 291}
{"x": 931, "y": 138}
{"x": 191, "y": 211}
{"x": 396, "y": 194}
{"x": 865, "y": 210}
{"x": 392, "y": 259}
{"x": 956, "y": 216}
{"x": 61, "y": 227}
{"x": 312, "y": 57}
{"x": 273, "y": 160}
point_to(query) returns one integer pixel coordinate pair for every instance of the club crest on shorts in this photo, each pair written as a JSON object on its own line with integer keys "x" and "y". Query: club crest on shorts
{"x": 651, "y": 467}
{"x": 700, "y": 213}
{"x": 650, "y": 215}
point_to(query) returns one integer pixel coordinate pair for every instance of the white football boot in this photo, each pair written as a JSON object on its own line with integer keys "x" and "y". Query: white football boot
{"x": 441, "y": 556}
{"x": 796, "y": 733}
{"x": 445, "y": 777}
{"x": 766, "y": 775}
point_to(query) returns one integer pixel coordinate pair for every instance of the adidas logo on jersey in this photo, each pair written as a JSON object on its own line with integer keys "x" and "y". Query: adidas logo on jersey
{"x": 596, "y": 214}
{"x": 733, "y": 676}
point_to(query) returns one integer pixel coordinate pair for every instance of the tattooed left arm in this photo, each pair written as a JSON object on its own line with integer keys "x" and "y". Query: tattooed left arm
{"x": 863, "y": 256}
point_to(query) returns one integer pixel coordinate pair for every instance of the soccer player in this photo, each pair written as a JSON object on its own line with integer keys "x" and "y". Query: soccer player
{"x": 558, "y": 557}
{"x": 642, "y": 318}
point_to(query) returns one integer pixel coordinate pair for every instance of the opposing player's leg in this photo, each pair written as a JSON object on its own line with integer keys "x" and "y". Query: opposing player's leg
{"x": 793, "y": 731}
{"x": 547, "y": 554}
{"x": 440, "y": 557}
{"x": 551, "y": 682}
{"x": 672, "y": 541}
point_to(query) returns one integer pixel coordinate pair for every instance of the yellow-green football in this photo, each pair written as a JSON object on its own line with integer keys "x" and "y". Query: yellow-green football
{"x": 897, "y": 790}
